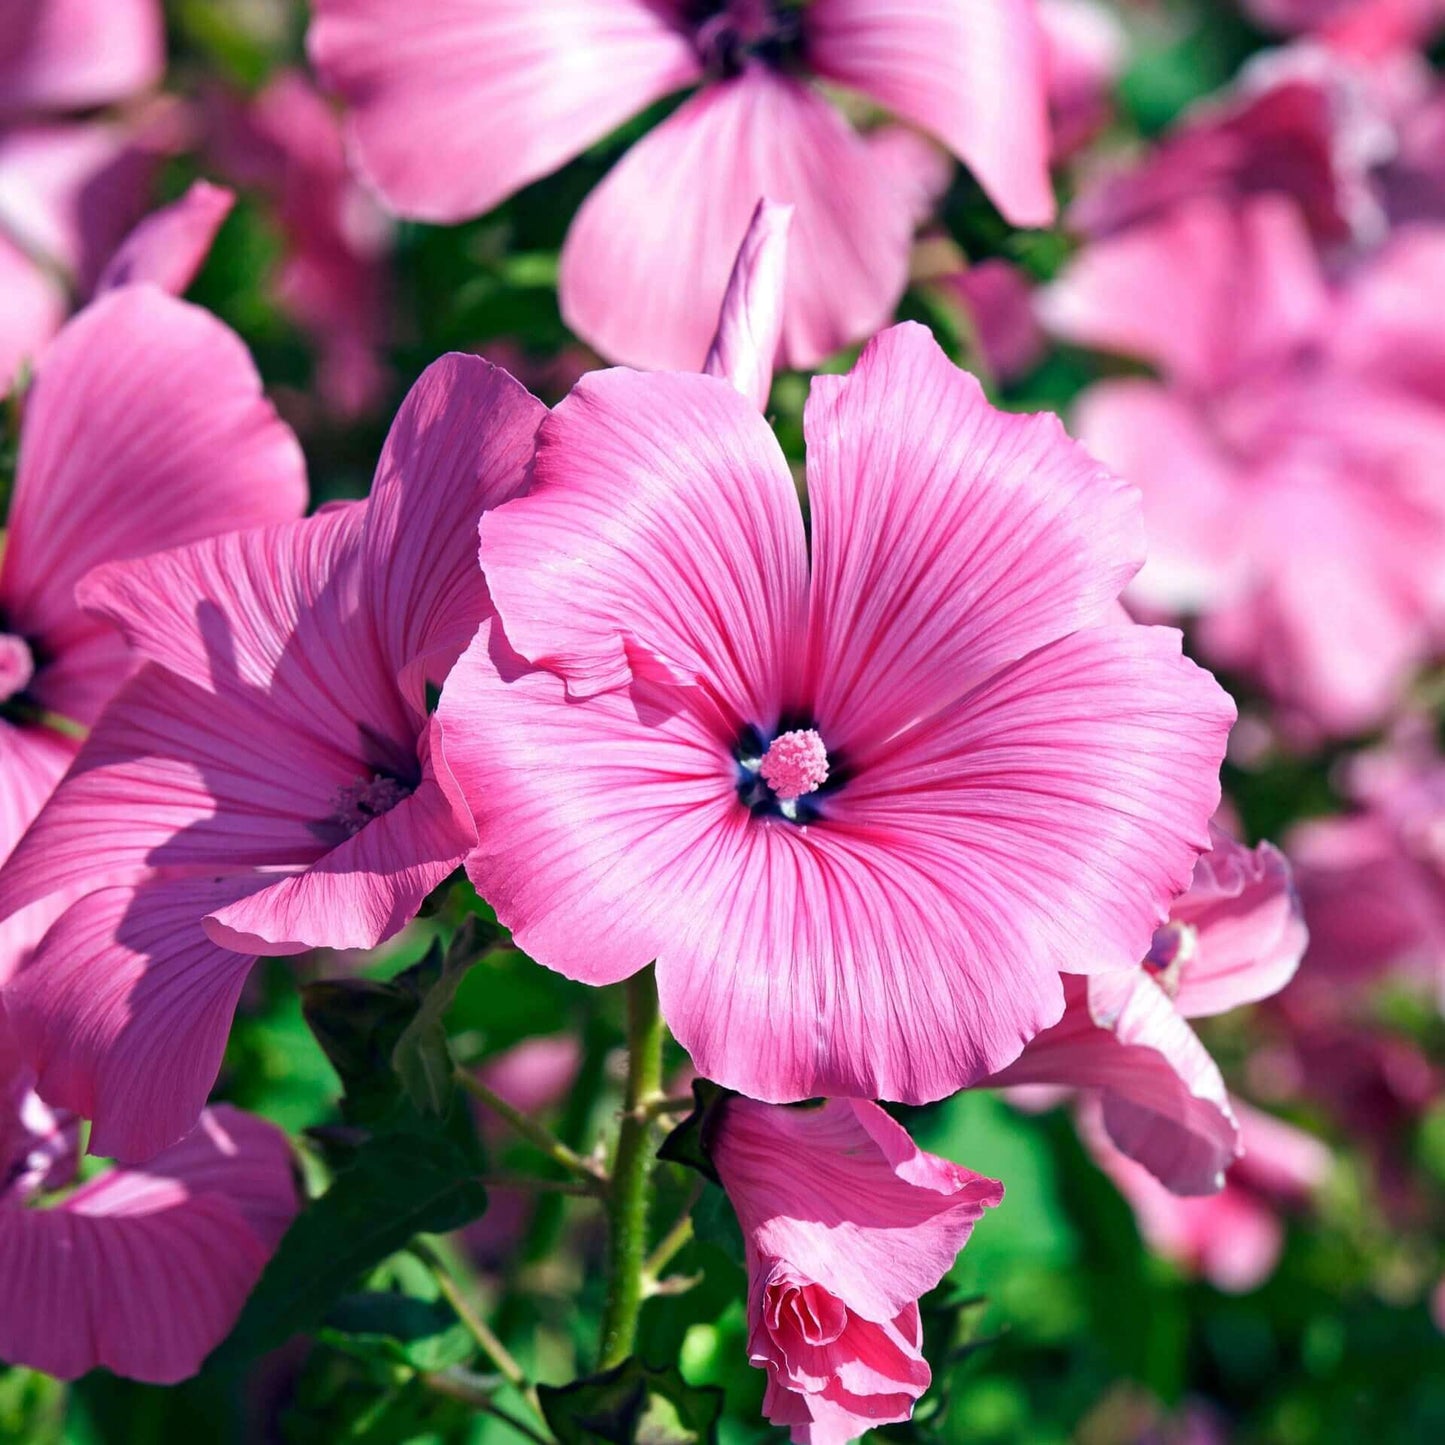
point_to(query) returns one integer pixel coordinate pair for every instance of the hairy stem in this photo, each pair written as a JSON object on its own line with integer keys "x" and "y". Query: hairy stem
{"x": 534, "y": 1133}
{"x": 631, "y": 1189}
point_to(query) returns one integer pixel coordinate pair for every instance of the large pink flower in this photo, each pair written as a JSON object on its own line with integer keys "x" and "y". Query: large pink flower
{"x": 140, "y": 1271}
{"x": 70, "y": 188}
{"x": 1292, "y": 490}
{"x": 863, "y": 801}
{"x": 268, "y": 781}
{"x": 845, "y": 1223}
{"x": 1234, "y": 937}
{"x": 145, "y": 427}
{"x": 457, "y": 104}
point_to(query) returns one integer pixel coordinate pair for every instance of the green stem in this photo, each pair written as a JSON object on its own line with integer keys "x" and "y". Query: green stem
{"x": 540, "y": 1138}
{"x": 631, "y": 1189}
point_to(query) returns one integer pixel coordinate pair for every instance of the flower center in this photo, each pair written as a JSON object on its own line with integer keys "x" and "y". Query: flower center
{"x": 365, "y": 800}
{"x": 17, "y": 665}
{"x": 1173, "y": 946}
{"x": 730, "y": 32}
{"x": 795, "y": 764}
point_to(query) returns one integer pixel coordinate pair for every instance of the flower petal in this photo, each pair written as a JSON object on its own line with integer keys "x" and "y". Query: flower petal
{"x": 124, "y": 1009}
{"x": 662, "y": 518}
{"x": 145, "y": 1271}
{"x": 168, "y": 248}
{"x": 647, "y": 260}
{"x": 145, "y": 427}
{"x": 750, "y": 325}
{"x": 35, "y": 308}
{"x": 972, "y": 72}
{"x": 454, "y": 105}
{"x": 949, "y": 538}
{"x": 78, "y": 54}
{"x": 461, "y": 443}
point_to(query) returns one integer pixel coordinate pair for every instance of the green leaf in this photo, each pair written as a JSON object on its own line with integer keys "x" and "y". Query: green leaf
{"x": 422, "y": 1334}
{"x": 633, "y": 1404}
{"x": 398, "y": 1186}
{"x": 690, "y": 1143}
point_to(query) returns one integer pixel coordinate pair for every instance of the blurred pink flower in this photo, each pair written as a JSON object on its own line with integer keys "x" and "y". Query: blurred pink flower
{"x": 998, "y": 299}
{"x": 145, "y": 427}
{"x": 846, "y": 1223}
{"x": 71, "y": 189}
{"x": 1367, "y": 28}
{"x": 455, "y": 106}
{"x": 1086, "y": 47}
{"x": 992, "y": 785}
{"x": 1292, "y": 489}
{"x": 286, "y": 144}
{"x": 142, "y": 1271}
{"x": 1233, "y": 938}
{"x": 268, "y": 781}
{"x": 1232, "y": 1238}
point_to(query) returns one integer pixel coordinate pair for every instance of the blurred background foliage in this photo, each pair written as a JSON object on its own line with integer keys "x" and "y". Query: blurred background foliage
{"x": 1056, "y": 1324}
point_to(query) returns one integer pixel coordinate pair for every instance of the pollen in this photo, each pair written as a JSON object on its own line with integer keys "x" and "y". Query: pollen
{"x": 795, "y": 764}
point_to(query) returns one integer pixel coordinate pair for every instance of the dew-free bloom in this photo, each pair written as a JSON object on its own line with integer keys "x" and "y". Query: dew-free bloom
{"x": 978, "y": 781}
{"x": 268, "y": 781}
{"x": 455, "y": 105}
{"x": 845, "y": 1223}
{"x": 1234, "y": 937}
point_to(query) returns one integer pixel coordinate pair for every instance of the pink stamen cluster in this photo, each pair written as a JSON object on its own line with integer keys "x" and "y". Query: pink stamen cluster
{"x": 795, "y": 764}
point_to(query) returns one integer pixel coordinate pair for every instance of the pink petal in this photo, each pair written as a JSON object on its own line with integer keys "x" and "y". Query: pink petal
{"x": 362, "y": 892}
{"x": 35, "y": 308}
{"x": 77, "y": 54}
{"x": 972, "y": 72}
{"x": 461, "y": 443}
{"x": 1251, "y": 934}
{"x": 1280, "y": 1161}
{"x": 168, "y": 248}
{"x": 145, "y": 428}
{"x": 124, "y": 1009}
{"x": 1164, "y": 1103}
{"x": 662, "y": 523}
{"x": 948, "y": 538}
{"x": 454, "y": 105}
{"x": 647, "y": 260}
{"x": 145, "y": 1271}
{"x": 842, "y": 1194}
{"x": 750, "y": 326}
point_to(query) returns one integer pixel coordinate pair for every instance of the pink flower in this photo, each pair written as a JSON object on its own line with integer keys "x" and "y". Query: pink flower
{"x": 1292, "y": 491}
{"x": 1086, "y": 48}
{"x": 145, "y": 427}
{"x": 846, "y": 1223}
{"x": 70, "y": 189}
{"x": 1233, "y": 938}
{"x": 286, "y": 143}
{"x": 456, "y": 105}
{"x": 142, "y": 1271}
{"x": 998, "y": 300}
{"x": 1014, "y": 787}
{"x": 1232, "y": 1238}
{"x": 268, "y": 781}
{"x": 1363, "y": 27}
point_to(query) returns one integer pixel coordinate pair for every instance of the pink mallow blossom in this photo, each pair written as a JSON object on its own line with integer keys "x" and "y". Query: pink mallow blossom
{"x": 845, "y": 1222}
{"x": 1234, "y": 937}
{"x": 1292, "y": 488}
{"x": 141, "y": 1271}
{"x": 1232, "y": 1238}
{"x": 456, "y": 105}
{"x": 71, "y": 186}
{"x": 268, "y": 782}
{"x": 144, "y": 427}
{"x": 978, "y": 781}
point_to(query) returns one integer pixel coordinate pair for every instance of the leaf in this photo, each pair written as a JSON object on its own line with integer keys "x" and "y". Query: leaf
{"x": 633, "y": 1404}
{"x": 400, "y": 1329}
{"x": 398, "y": 1186}
{"x": 690, "y": 1143}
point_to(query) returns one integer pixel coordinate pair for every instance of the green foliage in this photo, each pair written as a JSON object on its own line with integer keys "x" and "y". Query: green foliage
{"x": 633, "y": 1404}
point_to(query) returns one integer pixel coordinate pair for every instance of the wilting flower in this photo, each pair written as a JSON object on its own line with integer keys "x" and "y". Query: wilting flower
{"x": 845, "y": 1224}
{"x": 70, "y": 189}
{"x": 1232, "y": 1238}
{"x": 286, "y": 144}
{"x": 455, "y": 106}
{"x": 1292, "y": 490}
{"x": 1234, "y": 937}
{"x": 144, "y": 427}
{"x": 862, "y": 809}
{"x": 268, "y": 781}
{"x": 142, "y": 1271}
